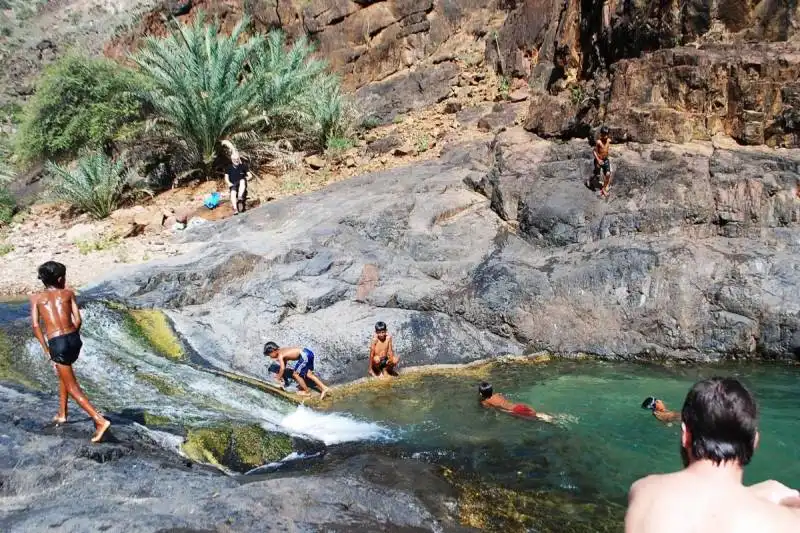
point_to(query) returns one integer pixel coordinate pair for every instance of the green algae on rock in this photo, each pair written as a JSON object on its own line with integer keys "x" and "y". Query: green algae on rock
{"x": 487, "y": 506}
{"x": 8, "y": 369}
{"x": 152, "y": 326}
{"x": 162, "y": 384}
{"x": 236, "y": 447}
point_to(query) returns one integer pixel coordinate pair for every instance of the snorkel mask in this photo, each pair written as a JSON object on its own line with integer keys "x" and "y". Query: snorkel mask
{"x": 650, "y": 403}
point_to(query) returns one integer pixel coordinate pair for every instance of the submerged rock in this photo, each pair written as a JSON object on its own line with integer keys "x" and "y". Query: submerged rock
{"x": 153, "y": 328}
{"x": 237, "y": 447}
{"x": 494, "y": 508}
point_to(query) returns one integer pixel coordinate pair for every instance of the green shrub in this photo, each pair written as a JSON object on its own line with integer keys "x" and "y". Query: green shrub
{"x": 423, "y": 143}
{"x": 85, "y": 247}
{"x": 333, "y": 112}
{"x": 504, "y": 87}
{"x": 200, "y": 90}
{"x": 370, "y": 123}
{"x": 576, "y": 95}
{"x": 96, "y": 186}
{"x": 6, "y": 249}
{"x": 286, "y": 81}
{"x": 8, "y": 206}
{"x": 79, "y": 103}
{"x": 337, "y": 146}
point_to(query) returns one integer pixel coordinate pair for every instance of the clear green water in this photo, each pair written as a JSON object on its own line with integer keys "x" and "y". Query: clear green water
{"x": 604, "y": 440}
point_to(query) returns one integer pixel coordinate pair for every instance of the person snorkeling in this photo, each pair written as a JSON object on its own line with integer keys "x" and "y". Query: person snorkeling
{"x": 660, "y": 410}
{"x": 489, "y": 398}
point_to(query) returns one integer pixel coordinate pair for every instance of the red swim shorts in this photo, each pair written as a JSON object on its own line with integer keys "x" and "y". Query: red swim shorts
{"x": 523, "y": 410}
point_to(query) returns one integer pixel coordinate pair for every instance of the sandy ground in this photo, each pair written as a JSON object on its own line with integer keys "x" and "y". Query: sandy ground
{"x": 92, "y": 249}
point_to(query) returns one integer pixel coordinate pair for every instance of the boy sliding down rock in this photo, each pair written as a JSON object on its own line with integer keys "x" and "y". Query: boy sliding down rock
{"x": 302, "y": 369}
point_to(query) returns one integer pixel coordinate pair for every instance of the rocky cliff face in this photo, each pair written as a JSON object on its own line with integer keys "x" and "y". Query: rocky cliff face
{"x": 499, "y": 248}
{"x": 397, "y": 55}
{"x": 672, "y": 71}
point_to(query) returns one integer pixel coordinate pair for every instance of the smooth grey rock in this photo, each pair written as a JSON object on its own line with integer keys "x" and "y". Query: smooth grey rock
{"x": 500, "y": 248}
{"x": 53, "y": 479}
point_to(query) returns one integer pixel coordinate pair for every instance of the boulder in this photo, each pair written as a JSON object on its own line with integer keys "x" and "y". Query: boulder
{"x": 315, "y": 162}
{"x": 407, "y": 91}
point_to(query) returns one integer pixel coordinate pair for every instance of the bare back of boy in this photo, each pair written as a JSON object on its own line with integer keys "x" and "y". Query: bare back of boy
{"x": 300, "y": 374}
{"x": 58, "y": 310}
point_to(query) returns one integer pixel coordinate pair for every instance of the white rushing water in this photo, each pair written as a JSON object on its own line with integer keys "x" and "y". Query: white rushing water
{"x": 331, "y": 428}
{"x": 120, "y": 372}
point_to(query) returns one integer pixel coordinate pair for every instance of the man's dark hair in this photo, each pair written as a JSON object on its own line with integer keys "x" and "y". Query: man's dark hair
{"x": 270, "y": 347}
{"x": 380, "y": 326}
{"x": 722, "y": 417}
{"x": 51, "y": 272}
{"x": 485, "y": 389}
{"x": 604, "y": 130}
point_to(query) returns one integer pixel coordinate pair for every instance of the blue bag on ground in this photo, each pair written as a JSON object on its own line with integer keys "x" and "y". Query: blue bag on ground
{"x": 212, "y": 200}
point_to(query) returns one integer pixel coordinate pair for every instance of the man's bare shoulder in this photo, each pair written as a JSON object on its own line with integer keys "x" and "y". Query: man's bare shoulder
{"x": 654, "y": 482}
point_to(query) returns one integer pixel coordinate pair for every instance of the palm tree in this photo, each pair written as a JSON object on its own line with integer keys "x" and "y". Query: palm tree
{"x": 96, "y": 186}
{"x": 201, "y": 90}
{"x": 286, "y": 82}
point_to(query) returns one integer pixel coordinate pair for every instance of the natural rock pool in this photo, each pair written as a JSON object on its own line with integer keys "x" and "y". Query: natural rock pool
{"x": 603, "y": 440}
{"x": 509, "y": 474}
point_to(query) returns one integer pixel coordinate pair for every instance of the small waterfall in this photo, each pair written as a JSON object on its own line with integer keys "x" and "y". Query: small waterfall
{"x": 331, "y": 428}
{"x": 120, "y": 372}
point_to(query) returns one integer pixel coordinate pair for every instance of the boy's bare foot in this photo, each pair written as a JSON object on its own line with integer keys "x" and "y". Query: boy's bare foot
{"x": 59, "y": 420}
{"x": 100, "y": 431}
{"x": 325, "y": 391}
{"x": 303, "y": 393}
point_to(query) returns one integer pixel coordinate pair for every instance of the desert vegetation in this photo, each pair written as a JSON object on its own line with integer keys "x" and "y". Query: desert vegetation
{"x": 193, "y": 88}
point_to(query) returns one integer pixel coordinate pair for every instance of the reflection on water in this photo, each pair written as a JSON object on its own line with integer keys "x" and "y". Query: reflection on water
{"x": 602, "y": 441}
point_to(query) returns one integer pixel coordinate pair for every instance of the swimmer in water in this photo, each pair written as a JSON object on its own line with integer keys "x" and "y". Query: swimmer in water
{"x": 498, "y": 401}
{"x": 660, "y": 410}
{"x": 719, "y": 435}
{"x": 61, "y": 340}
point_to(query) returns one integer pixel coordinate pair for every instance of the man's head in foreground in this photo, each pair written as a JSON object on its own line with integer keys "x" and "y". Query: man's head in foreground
{"x": 719, "y": 423}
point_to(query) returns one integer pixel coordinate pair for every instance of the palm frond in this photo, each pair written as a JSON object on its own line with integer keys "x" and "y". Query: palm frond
{"x": 97, "y": 184}
{"x": 200, "y": 89}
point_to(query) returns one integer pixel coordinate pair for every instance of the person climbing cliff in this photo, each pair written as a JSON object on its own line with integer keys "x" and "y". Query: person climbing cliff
{"x": 602, "y": 163}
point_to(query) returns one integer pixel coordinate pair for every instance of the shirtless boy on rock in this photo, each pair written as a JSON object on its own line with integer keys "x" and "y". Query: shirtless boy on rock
{"x": 61, "y": 341}
{"x": 718, "y": 437}
{"x": 382, "y": 359}
{"x": 303, "y": 369}
{"x": 602, "y": 163}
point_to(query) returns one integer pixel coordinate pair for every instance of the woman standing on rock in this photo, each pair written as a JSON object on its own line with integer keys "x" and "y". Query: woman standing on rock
{"x": 236, "y": 179}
